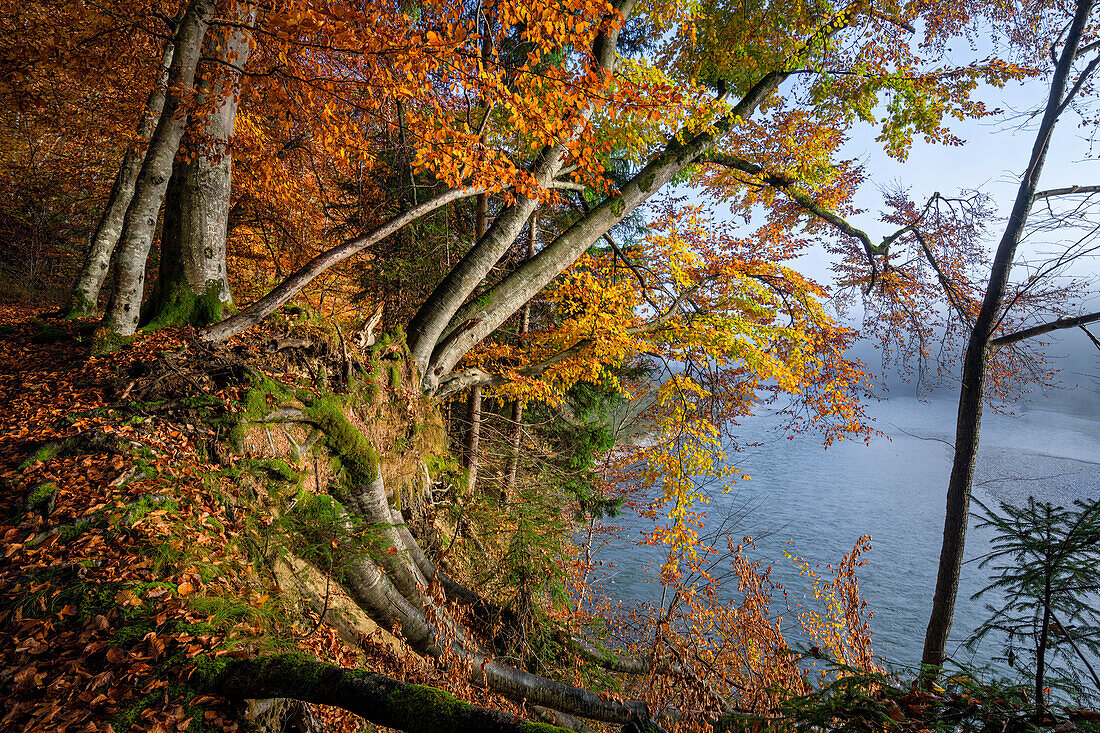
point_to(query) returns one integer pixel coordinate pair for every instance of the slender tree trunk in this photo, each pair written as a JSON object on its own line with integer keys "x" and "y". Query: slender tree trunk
{"x": 1041, "y": 651}
{"x": 473, "y": 403}
{"x": 85, "y": 297}
{"x": 140, "y": 225}
{"x": 976, "y": 362}
{"x": 473, "y": 436}
{"x": 289, "y": 287}
{"x": 515, "y": 436}
{"x": 192, "y": 286}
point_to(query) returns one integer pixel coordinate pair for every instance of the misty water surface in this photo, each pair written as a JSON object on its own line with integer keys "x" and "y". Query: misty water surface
{"x": 820, "y": 501}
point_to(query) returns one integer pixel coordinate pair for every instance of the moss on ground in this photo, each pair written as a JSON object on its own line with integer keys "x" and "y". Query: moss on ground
{"x": 43, "y": 453}
{"x": 42, "y": 496}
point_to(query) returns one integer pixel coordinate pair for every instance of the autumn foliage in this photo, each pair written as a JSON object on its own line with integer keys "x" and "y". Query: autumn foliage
{"x": 437, "y": 213}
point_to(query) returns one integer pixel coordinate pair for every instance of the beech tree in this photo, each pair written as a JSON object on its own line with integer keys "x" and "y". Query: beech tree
{"x": 535, "y": 104}
{"x": 85, "y": 297}
{"x": 143, "y": 212}
{"x": 193, "y": 286}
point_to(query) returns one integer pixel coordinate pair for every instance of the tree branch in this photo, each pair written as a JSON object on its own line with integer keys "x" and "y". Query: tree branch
{"x": 1067, "y": 191}
{"x": 1039, "y": 330}
{"x": 460, "y": 380}
{"x": 806, "y": 202}
{"x": 945, "y": 282}
{"x": 288, "y": 288}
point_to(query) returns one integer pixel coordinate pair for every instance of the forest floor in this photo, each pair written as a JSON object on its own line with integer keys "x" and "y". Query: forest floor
{"x": 126, "y": 562}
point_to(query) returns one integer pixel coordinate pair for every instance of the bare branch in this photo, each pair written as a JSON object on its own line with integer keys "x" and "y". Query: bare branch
{"x": 945, "y": 282}
{"x": 1095, "y": 341}
{"x": 288, "y": 288}
{"x": 1067, "y": 191}
{"x": 1039, "y": 330}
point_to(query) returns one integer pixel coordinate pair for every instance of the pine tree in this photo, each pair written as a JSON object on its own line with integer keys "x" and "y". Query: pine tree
{"x": 1049, "y": 570}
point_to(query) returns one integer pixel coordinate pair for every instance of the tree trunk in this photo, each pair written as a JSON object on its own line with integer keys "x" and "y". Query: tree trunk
{"x": 192, "y": 287}
{"x": 976, "y": 362}
{"x": 477, "y": 319}
{"x": 85, "y": 297}
{"x": 123, "y": 308}
{"x": 473, "y": 436}
{"x": 470, "y": 454}
{"x": 434, "y": 321}
{"x": 1041, "y": 651}
{"x": 515, "y": 436}
{"x": 381, "y": 700}
{"x": 289, "y": 287}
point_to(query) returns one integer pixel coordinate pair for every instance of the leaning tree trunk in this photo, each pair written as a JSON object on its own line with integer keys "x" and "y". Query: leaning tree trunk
{"x": 381, "y": 700}
{"x": 976, "y": 363}
{"x": 85, "y": 296}
{"x": 192, "y": 286}
{"x": 470, "y": 323}
{"x": 515, "y": 436}
{"x": 434, "y": 324}
{"x": 140, "y": 225}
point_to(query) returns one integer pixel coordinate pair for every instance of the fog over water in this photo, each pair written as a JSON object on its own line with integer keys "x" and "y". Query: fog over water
{"x": 820, "y": 501}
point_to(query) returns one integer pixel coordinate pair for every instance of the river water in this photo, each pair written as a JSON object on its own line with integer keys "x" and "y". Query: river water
{"x": 820, "y": 501}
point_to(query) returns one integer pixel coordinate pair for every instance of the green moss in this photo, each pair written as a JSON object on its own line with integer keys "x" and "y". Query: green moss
{"x": 68, "y": 534}
{"x": 106, "y": 341}
{"x": 148, "y": 504}
{"x": 44, "y": 453}
{"x": 270, "y": 467}
{"x": 483, "y": 301}
{"x": 342, "y": 438}
{"x": 255, "y": 404}
{"x": 317, "y": 507}
{"x": 81, "y": 307}
{"x": 177, "y": 305}
{"x": 236, "y": 435}
{"x": 207, "y": 671}
{"x": 429, "y": 708}
{"x": 395, "y": 377}
{"x": 42, "y": 496}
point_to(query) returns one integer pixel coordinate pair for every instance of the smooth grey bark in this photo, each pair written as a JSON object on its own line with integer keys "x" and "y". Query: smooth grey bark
{"x": 427, "y": 328}
{"x": 381, "y": 700}
{"x": 370, "y": 502}
{"x": 472, "y": 444}
{"x": 192, "y": 286}
{"x": 478, "y": 319}
{"x": 85, "y": 297}
{"x": 289, "y": 287}
{"x": 123, "y": 308}
{"x": 515, "y": 435}
{"x": 421, "y": 621}
{"x": 978, "y": 353}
